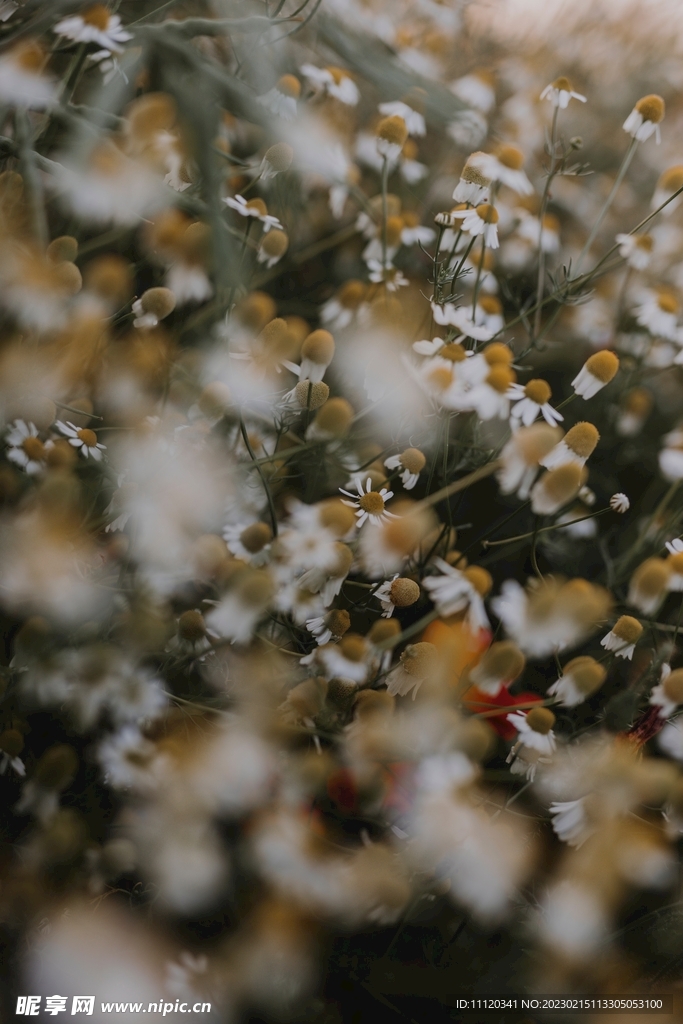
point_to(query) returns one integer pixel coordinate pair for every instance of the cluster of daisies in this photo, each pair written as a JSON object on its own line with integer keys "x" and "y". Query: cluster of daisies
{"x": 341, "y": 479}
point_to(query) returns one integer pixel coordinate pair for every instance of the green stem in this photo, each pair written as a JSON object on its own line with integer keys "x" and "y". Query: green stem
{"x": 630, "y": 152}
{"x": 541, "y": 214}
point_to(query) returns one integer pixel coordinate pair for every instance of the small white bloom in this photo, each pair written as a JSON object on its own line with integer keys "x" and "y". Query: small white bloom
{"x": 369, "y": 504}
{"x": 644, "y": 119}
{"x": 659, "y": 312}
{"x": 636, "y": 250}
{"x": 530, "y": 400}
{"x": 334, "y": 82}
{"x": 481, "y": 220}
{"x": 505, "y": 166}
{"x": 415, "y": 122}
{"x": 570, "y": 822}
{"x": 251, "y": 208}
{"x": 453, "y": 592}
{"x": 24, "y": 447}
{"x": 560, "y": 92}
{"x": 85, "y": 440}
{"x": 96, "y": 25}
{"x": 619, "y": 503}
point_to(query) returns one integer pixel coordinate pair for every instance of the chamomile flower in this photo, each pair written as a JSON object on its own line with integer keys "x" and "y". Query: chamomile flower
{"x": 636, "y": 250}
{"x": 411, "y": 462}
{"x": 560, "y": 92}
{"x": 580, "y": 679}
{"x": 281, "y": 99}
{"x": 619, "y": 503}
{"x": 476, "y": 90}
{"x": 500, "y": 666}
{"x": 521, "y": 457}
{"x": 83, "y": 439}
{"x": 25, "y": 448}
{"x": 669, "y": 183}
{"x": 344, "y": 307}
{"x": 334, "y": 82}
{"x": 272, "y": 247}
{"x": 531, "y": 400}
{"x": 675, "y": 547}
{"x": 623, "y": 637}
{"x": 645, "y": 118}
{"x": 460, "y": 317}
{"x": 535, "y": 742}
{"x": 253, "y": 208}
{"x": 391, "y": 135}
{"x": 504, "y": 166}
{"x": 668, "y": 694}
{"x": 649, "y": 585}
{"x": 398, "y": 592}
{"x": 598, "y": 370}
{"x": 22, "y": 79}
{"x": 251, "y": 542}
{"x": 95, "y": 25}
{"x": 414, "y": 120}
{"x": 557, "y": 488}
{"x": 659, "y": 312}
{"x": 391, "y": 277}
{"x": 474, "y": 185}
{"x": 578, "y": 445}
{"x": 418, "y": 663}
{"x": 456, "y": 591}
{"x": 482, "y": 220}
{"x": 370, "y": 505}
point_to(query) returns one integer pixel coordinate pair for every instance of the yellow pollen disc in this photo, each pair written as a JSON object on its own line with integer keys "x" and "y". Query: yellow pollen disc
{"x": 490, "y": 304}
{"x": 372, "y": 502}
{"x": 474, "y": 176}
{"x": 672, "y": 178}
{"x": 540, "y": 720}
{"x": 404, "y": 592}
{"x": 503, "y": 660}
{"x": 550, "y": 223}
{"x": 34, "y": 448}
{"x": 440, "y": 378}
{"x": 651, "y": 108}
{"x": 413, "y": 460}
{"x": 480, "y": 578}
{"x": 676, "y": 562}
{"x": 498, "y": 353}
{"x": 627, "y": 628}
{"x": 538, "y": 391}
{"x": 603, "y": 365}
{"x": 500, "y": 378}
{"x": 638, "y": 402}
{"x": 673, "y": 686}
{"x": 419, "y": 659}
{"x": 668, "y": 303}
{"x": 487, "y": 213}
{"x": 289, "y": 85}
{"x": 393, "y": 229}
{"x": 275, "y": 243}
{"x": 454, "y": 352}
{"x": 646, "y": 242}
{"x": 587, "y": 673}
{"x": 353, "y": 647}
{"x": 582, "y": 439}
{"x": 336, "y": 517}
{"x": 651, "y": 577}
{"x": 88, "y": 437}
{"x": 393, "y": 130}
{"x": 191, "y": 626}
{"x": 258, "y": 205}
{"x": 510, "y": 157}
{"x": 98, "y": 16}
{"x": 562, "y": 84}
{"x": 563, "y": 483}
{"x": 29, "y": 56}
{"x": 255, "y": 537}
{"x": 351, "y": 294}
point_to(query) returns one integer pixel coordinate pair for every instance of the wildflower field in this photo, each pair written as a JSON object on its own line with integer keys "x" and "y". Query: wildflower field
{"x": 341, "y": 508}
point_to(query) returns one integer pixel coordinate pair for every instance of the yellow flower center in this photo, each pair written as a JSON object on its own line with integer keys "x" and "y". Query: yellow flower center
{"x": 289, "y": 85}
{"x": 667, "y": 302}
{"x": 440, "y": 378}
{"x": 34, "y": 448}
{"x": 538, "y": 391}
{"x": 562, "y": 84}
{"x": 454, "y": 352}
{"x": 540, "y": 720}
{"x": 98, "y": 16}
{"x": 511, "y": 157}
{"x": 651, "y": 108}
{"x": 372, "y": 502}
{"x": 487, "y": 213}
{"x": 88, "y": 437}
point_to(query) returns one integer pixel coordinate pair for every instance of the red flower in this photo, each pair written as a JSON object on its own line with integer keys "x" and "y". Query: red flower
{"x": 477, "y": 702}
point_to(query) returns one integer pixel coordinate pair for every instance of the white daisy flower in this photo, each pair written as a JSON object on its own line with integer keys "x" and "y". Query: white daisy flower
{"x": 670, "y": 181}
{"x": 22, "y": 82}
{"x": 94, "y": 25}
{"x": 281, "y": 99}
{"x": 453, "y": 591}
{"x": 482, "y": 220}
{"x": 24, "y": 447}
{"x": 83, "y": 439}
{"x": 370, "y": 505}
{"x": 623, "y": 637}
{"x": 250, "y": 542}
{"x": 659, "y": 312}
{"x": 450, "y": 315}
{"x": 598, "y": 370}
{"x": 675, "y": 547}
{"x": 619, "y": 503}
{"x": 570, "y": 822}
{"x": 415, "y": 122}
{"x": 390, "y": 276}
{"x": 580, "y": 678}
{"x": 668, "y": 694}
{"x": 644, "y": 119}
{"x": 532, "y": 399}
{"x": 253, "y": 208}
{"x": 333, "y": 81}
{"x": 560, "y": 92}
{"x": 636, "y": 250}
{"x": 411, "y": 462}
{"x": 476, "y": 90}
{"x": 349, "y": 659}
{"x": 398, "y": 592}
{"x": 504, "y": 166}
{"x": 578, "y": 445}
{"x": 474, "y": 185}
{"x": 535, "y": 742}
